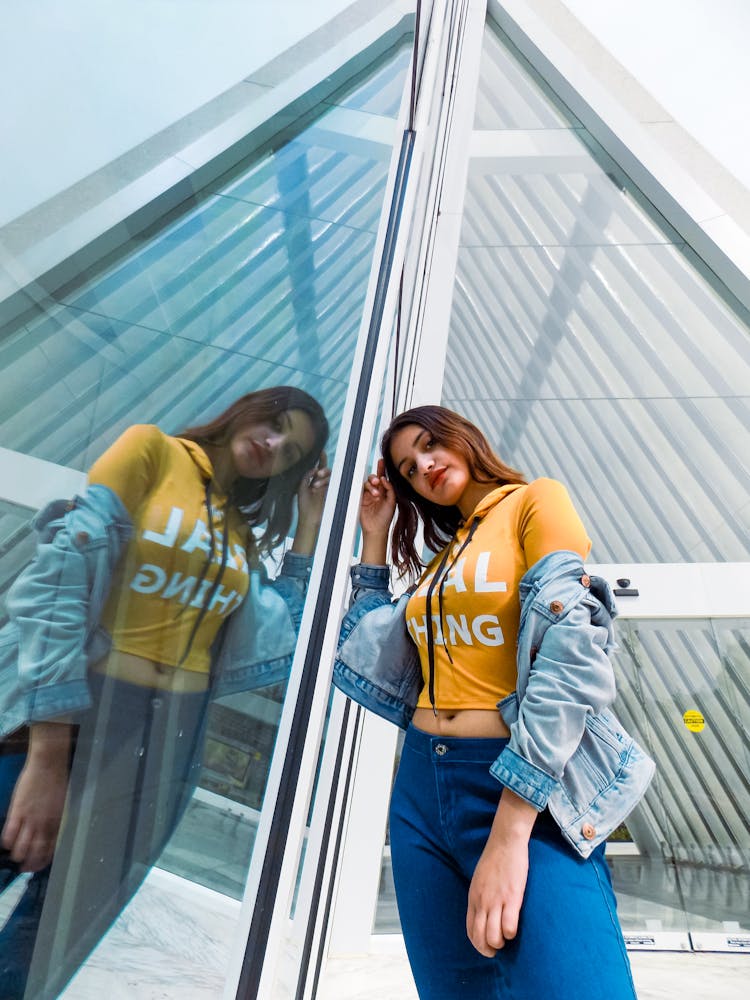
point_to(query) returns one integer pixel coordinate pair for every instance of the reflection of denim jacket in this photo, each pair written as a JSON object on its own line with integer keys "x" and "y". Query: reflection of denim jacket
{"x": 53, "y": 635}
{"x": 567, "y": 751}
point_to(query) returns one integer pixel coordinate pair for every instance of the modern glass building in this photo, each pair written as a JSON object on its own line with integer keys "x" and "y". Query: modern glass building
{"x": 425, "y": 203}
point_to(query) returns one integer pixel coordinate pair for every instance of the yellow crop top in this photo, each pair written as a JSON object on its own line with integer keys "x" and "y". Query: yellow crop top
{"x": 518, "y": 525}
{"x": 157, "y": 596}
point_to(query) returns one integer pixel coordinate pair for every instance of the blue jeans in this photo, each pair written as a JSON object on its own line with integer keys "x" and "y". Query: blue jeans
{"x": 136, "y": 764}
{"x": 569, "y": 943}
{"x": 20, "y": 930}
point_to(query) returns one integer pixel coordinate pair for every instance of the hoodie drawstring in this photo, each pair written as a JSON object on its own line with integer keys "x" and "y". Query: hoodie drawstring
{"x": 204, "y": 570}
{"x": 437, "y": 577}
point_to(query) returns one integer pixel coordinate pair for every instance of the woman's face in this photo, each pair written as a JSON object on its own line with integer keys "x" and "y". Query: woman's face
{"x": 268, "y": 448}
{"x": 434, "y": 471}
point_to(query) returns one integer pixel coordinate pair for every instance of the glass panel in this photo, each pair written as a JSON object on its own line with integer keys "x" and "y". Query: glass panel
{"x": 545, "y": 188}
{"x": 255, "y": 284}
{"x": 643, "y": 494}
{"x": 386, "y": 913}
{"x": 507, "y": 97}
{"x": 321, "y": 829}
{"x": 684, "y": 690}
{"x": 382, "y": 93}
{"x": 578, "y": 336}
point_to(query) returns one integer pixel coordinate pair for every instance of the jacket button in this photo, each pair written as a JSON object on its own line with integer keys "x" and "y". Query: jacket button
{"x": 586, "y": 580}
{"x": 556, "y": 607}
{"x": 588, "y": 831}
{"x": 82, "y": 538}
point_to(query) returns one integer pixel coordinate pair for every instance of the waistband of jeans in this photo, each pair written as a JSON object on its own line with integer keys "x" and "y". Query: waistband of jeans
{"x": 454, "y": 748}
{"x": 122, "y": 689}
{"x": 15, "y": 742}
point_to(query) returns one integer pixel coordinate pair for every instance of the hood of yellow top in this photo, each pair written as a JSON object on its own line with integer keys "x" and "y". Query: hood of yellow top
{"x": 492, "y": 500}
{"x": 199, "y": 456}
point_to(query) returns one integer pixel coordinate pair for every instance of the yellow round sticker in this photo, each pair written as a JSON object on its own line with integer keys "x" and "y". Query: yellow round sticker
{"x": 694, "y": 720}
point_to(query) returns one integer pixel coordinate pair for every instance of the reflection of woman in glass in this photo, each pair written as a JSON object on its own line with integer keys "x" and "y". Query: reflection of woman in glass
{"x": 498, "y": 817}
{"x": 157, "y": 556}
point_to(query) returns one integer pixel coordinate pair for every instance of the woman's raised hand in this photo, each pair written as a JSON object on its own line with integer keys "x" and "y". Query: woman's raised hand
{"x": 311, "y": 498}
{"x": 311, "y": 495}
{"x": 375, "y": 515}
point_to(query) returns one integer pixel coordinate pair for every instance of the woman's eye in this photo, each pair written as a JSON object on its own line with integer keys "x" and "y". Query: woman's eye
{"x": 412, "y": 469}
{"x": 430, "y": 443}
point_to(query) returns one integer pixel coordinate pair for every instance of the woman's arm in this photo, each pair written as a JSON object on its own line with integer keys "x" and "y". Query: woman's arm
{"x": 499, "y": 880}
{"x": 375, "y": 516}
{"x": 311, "y": 498}
{"x": 36, "y": 807}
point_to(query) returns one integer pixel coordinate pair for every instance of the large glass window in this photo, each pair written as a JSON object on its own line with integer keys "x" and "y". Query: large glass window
{"x": 257, "y": 281}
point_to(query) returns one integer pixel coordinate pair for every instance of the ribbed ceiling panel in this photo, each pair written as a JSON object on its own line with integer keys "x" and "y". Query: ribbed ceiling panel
{"x": 590, "y": 343}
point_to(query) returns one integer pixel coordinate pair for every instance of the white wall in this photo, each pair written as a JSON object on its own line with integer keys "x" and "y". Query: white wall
{"x": 692, "y": 56}
{"x": 83, "y": 81}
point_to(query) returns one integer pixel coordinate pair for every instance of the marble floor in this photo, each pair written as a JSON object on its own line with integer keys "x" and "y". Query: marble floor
{"x": 173, "y": 941}
{"x": 658, "y": 976}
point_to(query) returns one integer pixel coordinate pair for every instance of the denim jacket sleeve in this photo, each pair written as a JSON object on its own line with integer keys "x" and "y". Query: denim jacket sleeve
{"x": 565, "y": 677}
{"x": 255, "y": 646}
{"x": 54, "y": 604}
{"x": 291, "y": 584}
{"x": 377, "y": 663}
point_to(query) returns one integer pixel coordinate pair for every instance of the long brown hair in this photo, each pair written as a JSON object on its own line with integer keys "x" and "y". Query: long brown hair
{"x": 265, "y": 501}
{"x": 440, "y": 523}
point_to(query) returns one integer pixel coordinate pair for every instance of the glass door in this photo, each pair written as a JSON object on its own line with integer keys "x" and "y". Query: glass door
{"x": 681, "y": 866}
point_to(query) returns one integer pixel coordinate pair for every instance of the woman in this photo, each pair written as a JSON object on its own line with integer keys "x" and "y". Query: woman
{"x": 498, "y": 817}
{"x": 146, "y": 593}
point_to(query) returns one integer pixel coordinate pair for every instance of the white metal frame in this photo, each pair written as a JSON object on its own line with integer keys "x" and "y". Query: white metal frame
{"x": 431, "y": 264}
{"x": 281, "y": 953}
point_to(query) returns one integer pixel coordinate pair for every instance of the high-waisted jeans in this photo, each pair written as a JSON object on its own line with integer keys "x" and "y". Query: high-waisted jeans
{"x": 569, "y": 944}
{"x": 136, "y": 763}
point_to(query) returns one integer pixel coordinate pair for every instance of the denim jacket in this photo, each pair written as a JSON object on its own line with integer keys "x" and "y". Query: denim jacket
{"x": 567, "y": 752}
{"x": 53, "y": 634}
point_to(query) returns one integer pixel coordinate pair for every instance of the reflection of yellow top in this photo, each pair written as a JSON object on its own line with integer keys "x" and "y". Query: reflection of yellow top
{"x": 518, "y": 525}
{"x": 156, "y": 596}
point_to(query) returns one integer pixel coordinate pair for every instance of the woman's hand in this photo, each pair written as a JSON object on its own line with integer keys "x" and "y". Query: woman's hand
{"x": 499, "y": 881}
{"x": 375, "y": 515}
{"x": 496, "y": 894}
{"x": 36, "y": 807}
{"x": 311, "y": 498}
